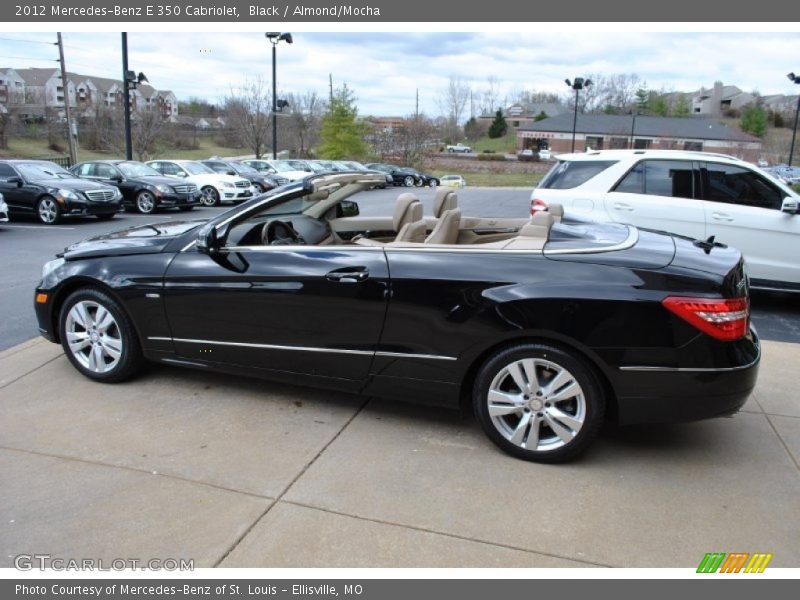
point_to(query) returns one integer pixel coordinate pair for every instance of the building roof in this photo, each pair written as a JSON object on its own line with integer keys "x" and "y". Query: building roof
{"x": 37, "y": 76}
{"x": 666, "y": 127}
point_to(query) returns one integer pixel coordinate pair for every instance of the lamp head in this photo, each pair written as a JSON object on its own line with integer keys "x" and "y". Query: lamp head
{"x": 793, "y": 78}
{"x": 272, "y": 35}
{"x": 286, "y": 37}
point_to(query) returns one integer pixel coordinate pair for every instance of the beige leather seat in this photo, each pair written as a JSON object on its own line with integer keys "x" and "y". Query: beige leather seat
{"x": 539, "y": 226}
{"x": 444, "y": 200}
{"x": 446, "y": 230}
{"x": 406, "y": 221}
{"x": 557, "y": 210}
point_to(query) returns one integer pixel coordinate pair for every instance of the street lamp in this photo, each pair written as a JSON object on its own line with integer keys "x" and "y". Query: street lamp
{"x": 130, "y": 81}
{"x": 634, "y": 114}
{"x": 794, "y": 79}
{"x": 577, "y": 84}
{"x": 275, "y": 38}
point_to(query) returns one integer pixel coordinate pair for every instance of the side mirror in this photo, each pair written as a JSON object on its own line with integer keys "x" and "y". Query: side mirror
{"x": 231, "y": 172}
{"x": 347, "y": 208}
{"x": 790, "y": 205}
{"x": 117, "y": 178}
{"x": 207, "y": 240}
{"x": 15, "y": 181}
{"x": 180, "y": 174}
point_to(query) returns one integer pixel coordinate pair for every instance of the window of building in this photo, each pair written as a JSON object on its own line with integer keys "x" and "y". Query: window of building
{"x": 694, "y": 146}
{"x": 669, "y": 144}
{"x": 737, "y": 185}
{"x": 594, "y": 142}
{"x": 642, "y": 144}
{"x": 619, "y": 143}
{"x": 672, "y": 178}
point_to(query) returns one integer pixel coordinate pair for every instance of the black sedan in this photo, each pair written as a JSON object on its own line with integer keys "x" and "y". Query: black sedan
{"x": 425, "y": 179}
{"x": 262, "y": 182}
{"x": 400, "y": 175}
{"x": 545, "y": 328}
{"x": 42, "y": 189}
{"x": 143, "y": 188}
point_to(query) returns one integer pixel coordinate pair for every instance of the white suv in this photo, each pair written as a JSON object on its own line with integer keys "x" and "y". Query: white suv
{"x": 696, "y": 194}
{"x": 215, "y": 187}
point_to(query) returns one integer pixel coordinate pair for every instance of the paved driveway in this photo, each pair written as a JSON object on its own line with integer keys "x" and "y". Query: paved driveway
{"x": 240, "y": 472}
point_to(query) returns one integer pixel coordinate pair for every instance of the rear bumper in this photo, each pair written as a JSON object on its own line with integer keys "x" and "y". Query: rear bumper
{"x": 671, "y": 395}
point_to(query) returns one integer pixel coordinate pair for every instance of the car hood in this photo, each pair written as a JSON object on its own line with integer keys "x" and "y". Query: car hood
{"x": 155, "y": 180}
{"x": 75, "y": 184}
{"x": 141, "y": 239}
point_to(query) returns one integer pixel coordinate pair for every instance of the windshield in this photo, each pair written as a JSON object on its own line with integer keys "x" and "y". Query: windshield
{"x": 349, "y": 164}
{"x": 134, "y": 169}
{"x": 299, "y": 165}
{"x": 43, "y": 170}
{"x": 243, "y": 169}
{"x": 282, "y": 166}
{"x": 196, "y": 168}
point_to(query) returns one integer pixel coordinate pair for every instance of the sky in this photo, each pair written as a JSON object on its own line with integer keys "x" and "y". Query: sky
{"x": 386, "y": 69}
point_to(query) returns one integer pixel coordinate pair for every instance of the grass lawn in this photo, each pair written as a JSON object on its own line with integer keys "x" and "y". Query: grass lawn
{"x": 29, "y": 148}
{"x": 528, "y": 180}
{"x": 505, "y": 144}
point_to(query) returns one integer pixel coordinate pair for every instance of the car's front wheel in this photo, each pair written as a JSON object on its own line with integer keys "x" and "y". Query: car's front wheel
{"x": 145, "y": 202}
{"x": 408, "y": 181}
{"x": 98, "y": 337}
{"x": 433, "y": 182}
{"x": 539, "y": 402}
{"x": 48, "y": 211}
{"x": 210, "y": 196}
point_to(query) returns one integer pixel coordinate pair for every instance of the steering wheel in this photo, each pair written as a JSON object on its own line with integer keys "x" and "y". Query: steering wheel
{"x": 280, "y": 233}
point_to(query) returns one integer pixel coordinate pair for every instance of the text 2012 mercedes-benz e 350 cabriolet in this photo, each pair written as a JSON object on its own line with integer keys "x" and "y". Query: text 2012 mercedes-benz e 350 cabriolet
{"x": 544, "y": 327}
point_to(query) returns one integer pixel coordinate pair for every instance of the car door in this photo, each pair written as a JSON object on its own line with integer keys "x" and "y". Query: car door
{"x": 743, "y": 209}
{"x": 307, "y": 310}
{"x": 659, "y": 194}
{"x": 12, "y": 191}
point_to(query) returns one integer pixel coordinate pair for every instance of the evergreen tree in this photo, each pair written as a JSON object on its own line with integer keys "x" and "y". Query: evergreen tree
{"x": 541, "y": 116}
{"x": 681, "y": 107}
{"x": 342, "y": 134}
{"x": 499, "y": 126}
{"x": 754, "y": 120}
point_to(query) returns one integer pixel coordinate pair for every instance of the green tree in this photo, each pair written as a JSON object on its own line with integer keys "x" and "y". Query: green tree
{"x": 342, "y": 134}
{"x": 681, "y": 107}
{"x": 642, "y": 100}
{"x": 541, "y": 116}
{"x": 754, "y": 120}
{"x": 473, "y": 130}
{"x": 659, "y": 106}
{"x": 499, "y": 126}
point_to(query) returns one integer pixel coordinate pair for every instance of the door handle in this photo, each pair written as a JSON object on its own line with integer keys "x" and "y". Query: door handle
{"x": 622, "y": 206}
{"x": 718, "y": 216}
{"x": 348, "y": 275}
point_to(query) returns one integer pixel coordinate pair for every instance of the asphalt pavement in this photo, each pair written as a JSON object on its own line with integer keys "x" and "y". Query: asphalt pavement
{"x": 26, "y": 245}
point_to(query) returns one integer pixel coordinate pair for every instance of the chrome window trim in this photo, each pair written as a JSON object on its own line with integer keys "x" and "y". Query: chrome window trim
{"x": 303, "y": 348}
{"x": 629, "y": 242}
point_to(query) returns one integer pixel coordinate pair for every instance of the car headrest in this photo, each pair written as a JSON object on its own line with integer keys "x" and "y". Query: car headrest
{"x": 444, "y": 200}
{"x": 407, "y": 209}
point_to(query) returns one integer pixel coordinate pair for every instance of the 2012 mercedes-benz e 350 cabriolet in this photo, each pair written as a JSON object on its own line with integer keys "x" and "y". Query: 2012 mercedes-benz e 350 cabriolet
{"x": 545, "y": 327}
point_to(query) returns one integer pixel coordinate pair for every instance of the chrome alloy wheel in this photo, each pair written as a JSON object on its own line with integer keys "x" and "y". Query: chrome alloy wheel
{"x": 210, "y": 196}
{"x": 48, "y": 211}
{"x": 145, "y": 202}
{"x": 536, "y": 404}
{"x": 93, "y": 336}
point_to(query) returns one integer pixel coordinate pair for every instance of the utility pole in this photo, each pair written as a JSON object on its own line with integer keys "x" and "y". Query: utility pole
{"x": 126, "y": 98}
{"x": 471, "y": 106}
{"x": 330, "y": 86}
{"x": 73, "y": 152}
{"x": 416, "y": 109}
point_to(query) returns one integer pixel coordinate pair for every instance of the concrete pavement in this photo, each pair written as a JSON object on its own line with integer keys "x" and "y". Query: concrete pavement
{"x": 244, "y": 473}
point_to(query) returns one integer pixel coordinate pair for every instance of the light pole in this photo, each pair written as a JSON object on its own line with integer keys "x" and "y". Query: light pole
{"x": 794, "y": 79}
{"x": 275, "y": 38}
{"x": 577, "y": 84}
{"x": 130, "y": 81}
{"x": 635, "y": 114}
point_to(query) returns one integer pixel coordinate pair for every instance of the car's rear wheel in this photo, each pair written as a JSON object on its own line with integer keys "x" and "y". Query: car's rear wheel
{"x": 145, "y": 202}
{"x": 432, "y": 182}
{"x": 539, "y": 403}
{"x": 408, "y": 181}
{"x": 210, "y": 196}
{"x": 98, "y": 337}
{"x": 48, "y": 211}
{"x": 259, "y": 188}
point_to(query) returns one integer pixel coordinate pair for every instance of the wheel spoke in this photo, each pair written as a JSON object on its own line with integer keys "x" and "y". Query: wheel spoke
{"x": 570, "y": 390}
{"x": 518, "y": 437}
{"x": 560, "y": 380}
{"x": 533, "y": 436}
{"x": 77, "y": 340}
{"x": 96, "y": 361}
{"x": 81, "y": 315}
{"x": 103, "y": 319}
{"x": 515, "y": 370}
{"x": 572, "y": 422}
{"x": 112, "y": 347}
{"x": 503, "y": 403}
{"x": 565, "y": 434}
{"x": 530, "y": 374}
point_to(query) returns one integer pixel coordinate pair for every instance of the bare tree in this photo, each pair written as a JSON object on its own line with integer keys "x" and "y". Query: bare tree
{"x": 146, "y": 128}
{"x": 610, "y": 93}
{"x": 409, "y": 142}
{"x": 490, "y": 97}
{"x": 301, "y": 129}
{"x": 248, "y": 110}
{"x": 452, "y": 101}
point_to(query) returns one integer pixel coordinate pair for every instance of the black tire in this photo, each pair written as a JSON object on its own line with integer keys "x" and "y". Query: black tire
{"x": 48, "y": 211}
{"x": 107, "y": 217}
{"x": 186, "y": 208}
{"x": 210, "y": 196}
{"x": 409, "y": 181}
{"x": 578, "y": 416}
{"x": 145, "y": 202}
{"x": 130, "y": 359}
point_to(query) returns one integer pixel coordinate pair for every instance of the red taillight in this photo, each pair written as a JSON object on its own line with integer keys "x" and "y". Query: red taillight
{"x": 725, "y": 320}
{"x": 538, "y": 205}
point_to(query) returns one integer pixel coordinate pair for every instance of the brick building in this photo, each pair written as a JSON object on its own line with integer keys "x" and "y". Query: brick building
{"x": 604, "y": 132}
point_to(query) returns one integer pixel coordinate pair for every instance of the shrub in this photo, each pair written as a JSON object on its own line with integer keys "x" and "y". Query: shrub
{"x": 492, "y": 157}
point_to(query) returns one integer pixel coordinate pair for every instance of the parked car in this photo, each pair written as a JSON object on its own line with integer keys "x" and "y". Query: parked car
{"x": 261, "y": 182}
{"x": 694, "y": 194}
{"x": 456, "y": 181}
{"x": 459, "y": 148}
{"x": 143, "y": 188}
{"x": 3, "y": 210}
{"x": 544, "y": 154}
{"x": 215, "y": 187}
{"x": 425, "y": 179}
{"x": 42, "y": 189}
{"x": 400, "y": 175}
{"x": 789, "y": 175}
{"x": 279, "y": 167}
{"x": 352, "y": 165}
{"x": 656, "y": 331}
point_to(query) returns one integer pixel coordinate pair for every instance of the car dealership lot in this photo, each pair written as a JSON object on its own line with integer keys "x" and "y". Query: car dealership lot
{"x": 27, "y": 245}
{"x": 238, "y": 472}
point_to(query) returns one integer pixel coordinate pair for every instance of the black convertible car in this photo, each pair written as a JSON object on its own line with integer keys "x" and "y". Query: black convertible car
{"x": 544, "y": 327}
